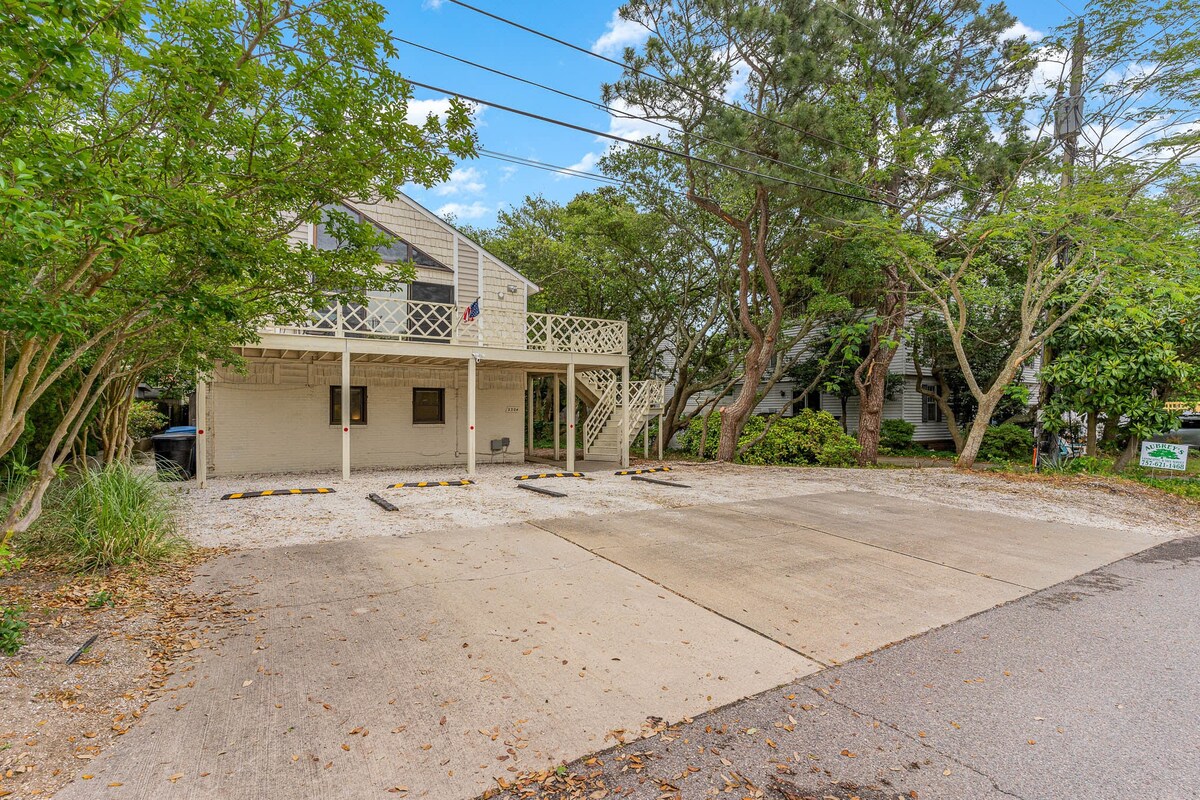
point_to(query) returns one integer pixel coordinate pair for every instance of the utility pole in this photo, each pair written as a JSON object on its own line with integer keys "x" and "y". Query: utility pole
{"x": 1068, "y": 124}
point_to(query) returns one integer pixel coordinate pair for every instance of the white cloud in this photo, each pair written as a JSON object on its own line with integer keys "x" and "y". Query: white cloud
{"x": 463, "y": 180}
{"x": 737, "y": 81}
{"x": 585, "y": 164}
{"x": 433, "y": 4}
{"x": 619, "y": 34}
{"x": 1020, "y": 29}
{"x": 623, "y": 121}
{"x": 418, "y": 111}
{"x": 628, "y": 123}
{"x": 475, "y": 210}
{"x": 507, "y": 172}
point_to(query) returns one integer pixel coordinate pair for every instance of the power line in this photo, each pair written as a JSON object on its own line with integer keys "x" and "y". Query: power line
{"x": 1070, "y": 10}
{"x": 623, "y": 114}
{"x": 645, "y": 144}
{"x": 687, "y": 90}
{"x": 571, "y": 171}
{"x": 542, "y": 165}
{"x": 649, "y": 145}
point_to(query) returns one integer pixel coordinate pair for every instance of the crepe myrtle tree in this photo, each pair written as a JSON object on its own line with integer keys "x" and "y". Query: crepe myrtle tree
{"x": 1054, "y": 231}
{"x": 1016, "y": 258}
{"x": 155, "y": 157}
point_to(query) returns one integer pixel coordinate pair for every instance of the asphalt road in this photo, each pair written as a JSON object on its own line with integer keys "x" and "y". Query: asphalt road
{"x": 1086, "y": 689}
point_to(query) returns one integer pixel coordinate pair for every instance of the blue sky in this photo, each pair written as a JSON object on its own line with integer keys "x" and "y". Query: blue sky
{"x": 482, "y": 186}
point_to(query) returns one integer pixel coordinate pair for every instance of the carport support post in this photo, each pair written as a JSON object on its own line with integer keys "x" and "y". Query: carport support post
{"x": 646, "y": 439}
{"x": 345, "y": 411}
{"x": 471, "y": 413}
{"x": 625, "y": 416}
{"x": 201, "y": 434}
{"x": 529, "y": 417}
{"x": 570, "y": 416}
{"x": 660, "y": 436}
{"x": 557, "y": 421}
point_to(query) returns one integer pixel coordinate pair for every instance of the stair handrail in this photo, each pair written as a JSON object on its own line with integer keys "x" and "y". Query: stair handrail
{"x": 635, "y": 409}
{"x": 596, "y": 380}
{"x": 601, "y": 413}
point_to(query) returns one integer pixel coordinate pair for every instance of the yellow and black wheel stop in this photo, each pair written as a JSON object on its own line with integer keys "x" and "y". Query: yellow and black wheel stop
{"x": 535, "y": 476}
{"x": 274, "y": 493}
{"x": 425, "y": 484}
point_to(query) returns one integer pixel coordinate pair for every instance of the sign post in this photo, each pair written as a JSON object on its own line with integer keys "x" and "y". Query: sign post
{"x": 1160, "y": 455}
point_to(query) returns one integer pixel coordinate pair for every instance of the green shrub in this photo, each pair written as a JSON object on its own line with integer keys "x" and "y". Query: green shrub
{"x": 109, "y": 517}
{"x": 689, "y": 438}
{"x": 810, "y": 437}
{"x": 1083, "y": 465}
{"x": 896, "y": 434}
{"x": 1006, "y": 443}
{"x": 9, "y": 561}
{"x": 12, "y": 630}
{"x": 145, "y": 419}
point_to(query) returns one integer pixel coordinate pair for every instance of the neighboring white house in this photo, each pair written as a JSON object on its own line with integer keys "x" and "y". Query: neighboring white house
{"x": 418, "y": 377}
{"x": 907, "y": 403}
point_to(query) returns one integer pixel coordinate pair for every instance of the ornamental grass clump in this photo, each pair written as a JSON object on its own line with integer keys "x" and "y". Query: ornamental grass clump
{"x": 109, "y": 517}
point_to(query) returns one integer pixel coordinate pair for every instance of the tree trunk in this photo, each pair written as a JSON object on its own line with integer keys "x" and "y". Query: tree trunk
{"x": 734, "y": 415}
{"x": 1110, "y": 429}
{"x": 870, "y": 421}
{"x": 871, "y": 376}
{"x": 982, "y": 421}
{"x": 956, "y": 434}
{"x": 1127, "y": 455}
{"x": 1092, "y": 422}
{"x": 28, "y": 506}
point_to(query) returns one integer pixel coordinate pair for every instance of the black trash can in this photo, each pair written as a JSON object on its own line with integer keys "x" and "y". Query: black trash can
{"x": 175, "y": 454}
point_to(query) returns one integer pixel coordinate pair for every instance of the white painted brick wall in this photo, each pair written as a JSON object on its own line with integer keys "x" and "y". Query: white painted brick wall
{"x": 258, "y": 425}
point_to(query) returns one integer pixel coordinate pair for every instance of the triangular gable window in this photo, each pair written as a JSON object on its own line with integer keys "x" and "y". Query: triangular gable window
{"x": 398, "y": 252}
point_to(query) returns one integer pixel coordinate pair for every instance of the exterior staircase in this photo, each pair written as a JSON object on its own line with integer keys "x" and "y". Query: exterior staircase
{"x": 609, "y": 411}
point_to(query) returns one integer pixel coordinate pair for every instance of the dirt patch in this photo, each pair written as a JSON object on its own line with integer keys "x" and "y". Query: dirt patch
{"x": 495, "y": 499}
{"x": 55, "y": 717}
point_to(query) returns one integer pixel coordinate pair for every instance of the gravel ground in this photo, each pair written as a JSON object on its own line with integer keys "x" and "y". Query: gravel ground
{"x": 495, "y": 499}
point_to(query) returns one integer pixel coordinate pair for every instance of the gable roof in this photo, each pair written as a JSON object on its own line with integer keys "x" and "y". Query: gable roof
{"x": 455, "y": 232}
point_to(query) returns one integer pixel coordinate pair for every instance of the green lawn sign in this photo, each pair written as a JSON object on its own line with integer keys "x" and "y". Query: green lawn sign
{"x": 1159, "y": 455}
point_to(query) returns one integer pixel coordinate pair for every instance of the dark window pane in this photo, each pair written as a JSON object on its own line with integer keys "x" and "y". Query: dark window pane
{"x": 395, "y": 253}
{"x": 399, "y": 251}
{"x": 429, "y": 406}
{"x": 325, "y": 237}
{"x": 430, "y": 292}
{"x": 358, "y": 405}
{"x": 424, "y": 260}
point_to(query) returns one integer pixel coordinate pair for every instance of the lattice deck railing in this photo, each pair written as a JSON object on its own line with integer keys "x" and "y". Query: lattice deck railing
{"x": 419, "y": 321}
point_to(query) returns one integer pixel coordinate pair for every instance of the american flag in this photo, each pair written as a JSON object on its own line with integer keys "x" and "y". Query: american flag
{"x": 472, "y": 311}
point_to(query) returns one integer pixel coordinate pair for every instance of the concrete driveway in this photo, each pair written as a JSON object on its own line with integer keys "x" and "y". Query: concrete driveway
{"x": 432, "y": 663}
{"x": 836, "y": 575}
